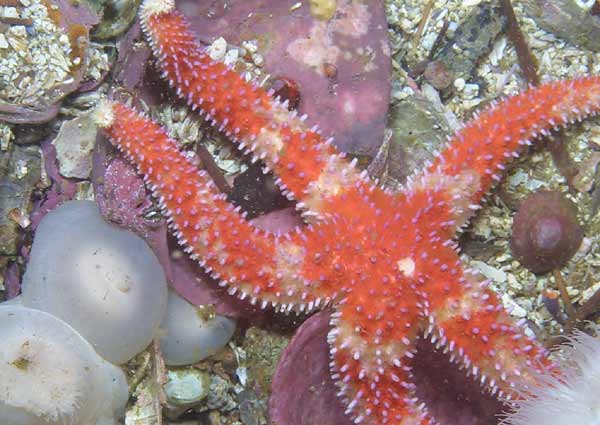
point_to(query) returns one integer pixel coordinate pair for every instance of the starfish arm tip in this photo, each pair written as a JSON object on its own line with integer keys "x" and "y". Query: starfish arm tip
{"x": 156, "y": 7}
{"x": 104, "y": 115}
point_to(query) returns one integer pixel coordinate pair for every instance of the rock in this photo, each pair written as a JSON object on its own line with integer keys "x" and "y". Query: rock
{"x": 20, "y": 175}
{"x": 74, "y": 146}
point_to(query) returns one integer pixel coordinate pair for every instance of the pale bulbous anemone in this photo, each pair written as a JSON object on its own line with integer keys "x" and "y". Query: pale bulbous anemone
{"x": 188, "y": 337}
{"x": 102, "y": 280}
{"x": 49, "y": 374}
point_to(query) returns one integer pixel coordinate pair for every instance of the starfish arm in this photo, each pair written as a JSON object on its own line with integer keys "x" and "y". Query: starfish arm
{"x": 468, "y": 321}
{"x": 476, "y": 156}
{"x": 309, "y": 168}
{"x": 372, "y": 342}
{"x": 253, "y": 263}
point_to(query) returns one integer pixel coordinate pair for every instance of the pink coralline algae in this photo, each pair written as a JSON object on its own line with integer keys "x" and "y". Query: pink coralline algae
{"x": 295, "y": 44}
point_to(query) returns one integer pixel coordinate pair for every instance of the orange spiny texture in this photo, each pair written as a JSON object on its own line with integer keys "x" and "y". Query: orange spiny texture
{"x": 501, "y": 132}
{"x": 387, "y": 263}
{"x": 210, "y": 228}
{"x": 243, "y": 111}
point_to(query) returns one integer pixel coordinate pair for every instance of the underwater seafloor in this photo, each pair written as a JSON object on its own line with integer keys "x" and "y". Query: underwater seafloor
{"x": 391, "y": 81}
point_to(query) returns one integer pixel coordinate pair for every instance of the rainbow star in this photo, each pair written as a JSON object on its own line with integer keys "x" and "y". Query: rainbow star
{"x": 387, "y": 263}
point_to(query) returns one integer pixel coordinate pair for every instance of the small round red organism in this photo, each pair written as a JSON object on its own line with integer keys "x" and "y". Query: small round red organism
{"x": 330, "y": 70}
{"x": 287, "y": 89}
{"x": 438, "y": 75}
{"x": 545, "y": 233}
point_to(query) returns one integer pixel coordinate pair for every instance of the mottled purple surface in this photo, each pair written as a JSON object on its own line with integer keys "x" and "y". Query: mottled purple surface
{"x": 122, "y": 199}
{"x": 451, "y": 396}
{"x": 120, "y": 192}
{"x": 281, "y": 221}
{"x": 25, "y": 114}
{"x": 351, "y": 105}
{"x": 75, "y": 13}
{"x": 135, "y": 74}
{"x": 192, "y": 283}
{"x": 61, "y": 189}
{"x": 304, "y": 394}
{"x": 133, "y": 57}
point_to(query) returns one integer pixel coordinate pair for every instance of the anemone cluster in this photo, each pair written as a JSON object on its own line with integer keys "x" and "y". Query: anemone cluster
{"x": 93, "y": 296}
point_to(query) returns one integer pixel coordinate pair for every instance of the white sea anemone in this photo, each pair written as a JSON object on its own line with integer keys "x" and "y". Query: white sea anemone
{"x": 102, "y": 280}
{"x": 188, "y": 337}
{"x": 50, "y": 375}
{"x": 571, "y": 398}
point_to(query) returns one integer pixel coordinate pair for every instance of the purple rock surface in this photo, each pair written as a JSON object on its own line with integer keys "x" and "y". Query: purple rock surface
{"x": 191, "y": 282}
{"x": 281, "y": 221}
{"x": 302, "y": 392}
{"x": 341, "y": 65}
{"x": 61, "y": 189}
{"x": 12, "y": 281}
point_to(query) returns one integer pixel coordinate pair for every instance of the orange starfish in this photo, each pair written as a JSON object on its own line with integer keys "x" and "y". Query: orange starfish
{"x": 386, "y": 262}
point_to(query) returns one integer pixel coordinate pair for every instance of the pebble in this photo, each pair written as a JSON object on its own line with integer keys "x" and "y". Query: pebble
{"x": 186, "y": 387}
{"x": 459, "y": 84}
{"x": 217, "y": 49}
{"x": 74, "y": 146}
{"x": 231, "y": 57}
{"x": 10, "y": 12}
{"x": 490, "y": 272}
{"x": 322, "y": 9}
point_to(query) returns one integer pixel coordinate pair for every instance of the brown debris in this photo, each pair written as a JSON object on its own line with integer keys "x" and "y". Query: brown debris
{"x": 567, "y": 20}
{"x": 473, "y": 40}
{"x": 424, "y": 17}
{"x": 211, "y": 167}
{"x": 527, "y": 62}
{"x": 576, "y": 316}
